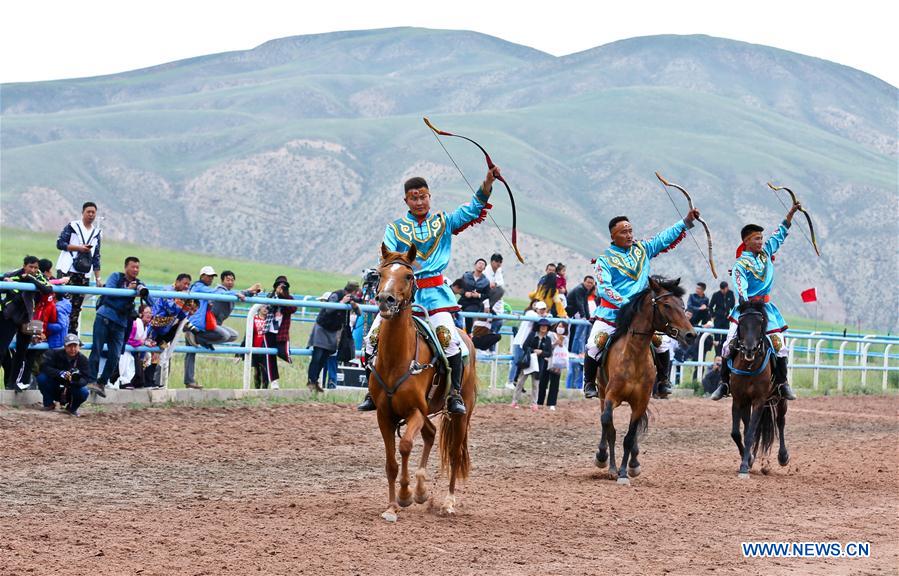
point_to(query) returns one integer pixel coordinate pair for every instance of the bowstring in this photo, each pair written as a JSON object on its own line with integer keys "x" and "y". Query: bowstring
{"x": 801, "y": 229}
{"x": 470, "y": 187}
{"x": 689, "y": 231}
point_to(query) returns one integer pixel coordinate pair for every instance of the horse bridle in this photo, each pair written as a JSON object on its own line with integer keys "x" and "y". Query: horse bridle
{"x": 738, "y": 344}
{"x": 405, "y": 302}
{"x": 667, "y": 329}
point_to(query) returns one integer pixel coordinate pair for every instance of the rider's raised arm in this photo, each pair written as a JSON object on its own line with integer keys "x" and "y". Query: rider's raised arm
{"x": 665, "y": 239}
{"x": 473, "y": 212}
{"x": 604, "y": 286}
{"x": 774, "y": 242}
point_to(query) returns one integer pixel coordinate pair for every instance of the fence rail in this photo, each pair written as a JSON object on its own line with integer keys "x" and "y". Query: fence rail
{"x": 862, "y": 343}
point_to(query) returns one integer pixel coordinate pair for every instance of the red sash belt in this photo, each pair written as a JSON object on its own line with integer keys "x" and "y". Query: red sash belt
{"x": 431, "y": 282}
{"x": 607, "y": 304}
{"x": 766, "y": 298}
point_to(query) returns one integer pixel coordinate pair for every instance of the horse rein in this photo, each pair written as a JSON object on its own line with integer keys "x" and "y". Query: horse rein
{"x": 667, "y": 329}
{"x": 738, "y": 344}
{"x": 405, "y": 302}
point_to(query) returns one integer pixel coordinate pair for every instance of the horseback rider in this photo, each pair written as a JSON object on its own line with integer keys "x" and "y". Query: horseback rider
{"x": 432, "y": 234}
{"x": 753, "y": 279}
{"x": 621, "y": 272}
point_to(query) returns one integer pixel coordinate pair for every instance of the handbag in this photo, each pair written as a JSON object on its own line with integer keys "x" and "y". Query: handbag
{"x": 32, "y": 328}
{"x": 533, "y": 365}
{"x": 83, "y": 261}
{"x": 560, "y": 358}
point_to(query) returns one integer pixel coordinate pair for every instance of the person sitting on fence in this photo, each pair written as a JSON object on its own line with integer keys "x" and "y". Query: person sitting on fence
{"x": 64, "y": 376}
{"x": 537, "y": 351}
{"x": 166, "y": 314}
{"x": 202, "y": 328}
{"x": 222, "y": 309}
{"x": 482, "y": 335}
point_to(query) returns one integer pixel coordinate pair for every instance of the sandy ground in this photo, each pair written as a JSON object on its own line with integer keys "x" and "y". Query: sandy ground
{"x": 298, "y": 489}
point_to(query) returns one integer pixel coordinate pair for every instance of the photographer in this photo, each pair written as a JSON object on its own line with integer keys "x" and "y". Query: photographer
{"x": 79, "y": 257}
{"x": 115, "y": 314}
{"x": 330, "y": 331}
{"x": 64, "y": 376}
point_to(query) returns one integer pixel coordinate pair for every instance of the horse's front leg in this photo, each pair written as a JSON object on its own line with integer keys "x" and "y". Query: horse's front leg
{"x": 783, "y": 455}
{"x": 749, "y": 439}
{"x": 602, "y": 452}
{"x": 413, "y": 426}
{"x": 736, "y": 416}
{"x": 608, "y": 430}
{"x": 386, "y": 425}
{"x": 428, "y": 433}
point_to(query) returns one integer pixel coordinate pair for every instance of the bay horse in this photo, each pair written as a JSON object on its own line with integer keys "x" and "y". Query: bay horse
{"x": 403, "y": 372}
{"x": 630, "y": 372}
{"x": 755, "y": 401}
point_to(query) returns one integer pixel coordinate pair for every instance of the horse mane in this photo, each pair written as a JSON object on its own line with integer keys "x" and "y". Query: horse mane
{"x": 628, "y": 312}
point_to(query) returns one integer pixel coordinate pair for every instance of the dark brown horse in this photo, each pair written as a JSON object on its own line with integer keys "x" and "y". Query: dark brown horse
{"x": 754, "y": 400}
{"x": 402, "y": 374}
{"x": 630, "y": 371}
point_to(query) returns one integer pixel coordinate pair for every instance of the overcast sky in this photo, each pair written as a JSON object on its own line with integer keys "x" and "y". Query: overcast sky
{"x": 50, "y": 39}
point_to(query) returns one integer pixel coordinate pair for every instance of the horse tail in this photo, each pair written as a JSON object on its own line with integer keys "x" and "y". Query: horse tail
{"x": 643, "y": 423}
{"x": 764, "y": 436}
{"x": 454, "y": 445}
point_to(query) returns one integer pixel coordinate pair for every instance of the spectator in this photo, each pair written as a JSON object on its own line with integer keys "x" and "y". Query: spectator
{"x": 166, "y": 314}
{"x": 202, "y": 328}
{"x": 222, "y": 309}
{"x": 56, "y": 330}
{"x": 698, "y": 304}
{"x": 257, "y": 361}
{"x": 550, "y": 269}
{"x": 547, "y": 293}
{"x": 494, "y": 274}
{"x": 534, "y": 311}
{"x": 131, "y": 364}
{"x": 64, "y": 377}
{"x": 331, "y": 324}
{"x": 556, "y": 362}
{"x": 17, "y": 319}
{"x": 561, "y": 280}
{"x": 475, "y": 289}
{"x": 723, "y": 301}
{"x": 277, "y": 330}
{"x": 537, "y": 344}
{"x": 79, "y": 256}
{"x": 712, "y": 378}
{"x": 577, "y": 305}
{"x": 482, "y": 335}
{"x": 112, "y": 323}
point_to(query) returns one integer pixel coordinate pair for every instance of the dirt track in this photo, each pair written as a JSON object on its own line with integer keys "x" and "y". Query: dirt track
{"x": 299, "y": 489}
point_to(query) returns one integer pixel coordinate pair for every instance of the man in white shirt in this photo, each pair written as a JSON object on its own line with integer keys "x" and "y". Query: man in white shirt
{"x": 494, "y": 273}
{"x": 524, "y": 330}
{"x": 79, "y": 257}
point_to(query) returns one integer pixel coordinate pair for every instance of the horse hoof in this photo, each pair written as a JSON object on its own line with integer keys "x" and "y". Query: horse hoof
{"x": 404, "y": 502}
{"x": 601, "y": 463}
{"x": 624, "y": 481}
{"x": 743, "y": 475}
{"x": 613, "y": 473}
{"x": 449, "y": 506}
{"x": 421, "y": 498}
{"x": 783, "y": 459}
{"x": 633, "y": 472}
{"x": 389, "y": 515}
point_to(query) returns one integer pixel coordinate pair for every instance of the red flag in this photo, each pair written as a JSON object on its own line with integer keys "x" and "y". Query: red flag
{"x": 809, "y": 295}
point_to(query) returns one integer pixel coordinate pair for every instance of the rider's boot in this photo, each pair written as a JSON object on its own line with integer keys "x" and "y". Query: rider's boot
{"x": 780, "y": 378}
{"x": 454, "y": 403}
{"x": 368, "y": 404}
{"x": 723, "y": 388}
{"x": 590, "y": 368}
{"x": 663, "y": 371}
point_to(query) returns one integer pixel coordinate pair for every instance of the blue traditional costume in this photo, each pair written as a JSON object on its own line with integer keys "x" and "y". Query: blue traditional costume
{"x": 432, "y": 236}
{"x": 620, "y": 275}
{"x": 753, "y": 279}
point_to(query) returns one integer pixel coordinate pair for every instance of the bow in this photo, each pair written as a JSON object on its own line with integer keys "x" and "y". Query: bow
{"x": 708, "y": 234}
{"x": 811, "y": 227}
{"x": 490, "y": 166}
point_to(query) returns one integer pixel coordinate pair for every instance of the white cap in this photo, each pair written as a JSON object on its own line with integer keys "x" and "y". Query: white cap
{"x": 324, "y": 297}
{"x": 208, "y": 271}
{"x": 540, "y": 305}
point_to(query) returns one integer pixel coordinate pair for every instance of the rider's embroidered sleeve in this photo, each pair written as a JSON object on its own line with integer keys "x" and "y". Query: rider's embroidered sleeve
{"x": 664, "y": 239}
{"x": 467, "y": 213}
{"x": 773, "y": 243}
{"x": 604, "y": 284}
{"x": 740, "y": 282}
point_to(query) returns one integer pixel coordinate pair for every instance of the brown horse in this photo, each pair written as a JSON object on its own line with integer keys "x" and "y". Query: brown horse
{"x": 402, "y": 374}
{"x": 630, "y": 371}
{"x": 755, "y": 401}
